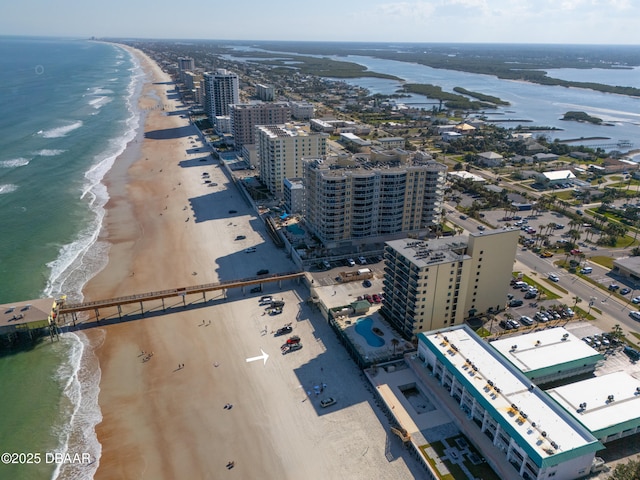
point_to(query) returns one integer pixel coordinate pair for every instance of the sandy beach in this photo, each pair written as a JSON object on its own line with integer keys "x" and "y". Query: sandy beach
{"x": 169, "y": 229}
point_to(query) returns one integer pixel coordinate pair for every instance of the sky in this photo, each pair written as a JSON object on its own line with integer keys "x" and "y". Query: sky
{"x": 465, "y": 21}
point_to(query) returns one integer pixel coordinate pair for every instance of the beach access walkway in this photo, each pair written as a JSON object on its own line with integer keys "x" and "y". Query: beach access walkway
{"x": 72, "y": 310}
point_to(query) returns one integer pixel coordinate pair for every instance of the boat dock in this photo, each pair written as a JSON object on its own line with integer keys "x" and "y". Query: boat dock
{"x": 67, "y": 313}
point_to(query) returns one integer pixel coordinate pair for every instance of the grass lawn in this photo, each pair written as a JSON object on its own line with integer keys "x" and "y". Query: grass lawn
{"x": 602, "y": 260}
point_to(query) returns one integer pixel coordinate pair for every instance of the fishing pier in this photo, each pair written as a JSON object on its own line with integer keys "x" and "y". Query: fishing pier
{"x": 68, "y": 313}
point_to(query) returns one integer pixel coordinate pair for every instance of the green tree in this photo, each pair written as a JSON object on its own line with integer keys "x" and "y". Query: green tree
{"x": 626, "y": 471}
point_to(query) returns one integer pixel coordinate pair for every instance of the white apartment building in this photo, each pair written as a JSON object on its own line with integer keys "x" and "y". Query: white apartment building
{"x": 265, "y": 92}
{"x": 302, "y": 110}
{"x": 355, "y": 201}
{"x": 245, "y": 116}
{"x": 221, "y": 90}
{"x": 281, "y": 149}
{"x": 436, "y": 283}
{"x": 538, "y": 437}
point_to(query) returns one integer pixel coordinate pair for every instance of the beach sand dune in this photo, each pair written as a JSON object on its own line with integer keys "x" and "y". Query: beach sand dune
{"x": 169, "y": 229}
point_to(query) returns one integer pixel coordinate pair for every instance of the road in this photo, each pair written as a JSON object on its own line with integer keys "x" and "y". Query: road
{"x": 611, "y": 306}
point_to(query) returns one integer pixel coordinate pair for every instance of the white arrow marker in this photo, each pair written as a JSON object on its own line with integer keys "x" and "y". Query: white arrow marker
{"x": 264, "y": 357}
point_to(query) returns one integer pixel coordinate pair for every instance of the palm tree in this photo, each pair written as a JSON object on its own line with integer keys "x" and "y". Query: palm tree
{"x": 395, "y": 342}
{"x": 576, "y": 300}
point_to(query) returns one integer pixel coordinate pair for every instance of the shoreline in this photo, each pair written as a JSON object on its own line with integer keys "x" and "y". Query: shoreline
{"x": 167, "y": 228}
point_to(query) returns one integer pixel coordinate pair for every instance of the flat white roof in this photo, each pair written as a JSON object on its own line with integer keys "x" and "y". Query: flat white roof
{"x": 547, "y": 348}
{"x": 600, "y": 413}
{"x": 465, "y": 175}
{"x": 559, "y": 175}
{"x": 499, "y": 387}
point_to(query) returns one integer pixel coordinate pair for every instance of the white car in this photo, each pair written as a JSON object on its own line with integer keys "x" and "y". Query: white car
{"x": 553, "y": 277}
{"x": 362, "y": 260}
{"x": 635, "y": 315}
{"x": 635, "y": 300}
{"x": 350, "y": 262}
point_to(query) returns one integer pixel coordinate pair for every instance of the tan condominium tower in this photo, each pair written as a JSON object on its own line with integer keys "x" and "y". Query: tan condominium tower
{"x": 436, "y": 283}
{"x": 280, "y": 151}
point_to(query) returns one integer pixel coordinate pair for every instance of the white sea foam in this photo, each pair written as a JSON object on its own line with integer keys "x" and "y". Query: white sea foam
{"x": 85, "y": 257}
{"x": 7, "y": 188}
{"x": 48, "y": 152}
{"x": 14, "y": 162}
{"x": 99, "y": 102}
{"x": 75, "y": 265}
{"x": 81, "y": 377}
{"x": 60, "y": 131}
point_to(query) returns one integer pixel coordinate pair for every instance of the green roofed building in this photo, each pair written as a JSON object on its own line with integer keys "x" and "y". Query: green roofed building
{"x": 538, "y": 437}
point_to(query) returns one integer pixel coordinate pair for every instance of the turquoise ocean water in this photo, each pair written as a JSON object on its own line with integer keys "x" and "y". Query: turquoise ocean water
{"x": 68, "y": 109}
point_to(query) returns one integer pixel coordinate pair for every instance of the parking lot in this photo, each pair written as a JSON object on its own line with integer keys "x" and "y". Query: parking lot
{"x": 327, "y": 272}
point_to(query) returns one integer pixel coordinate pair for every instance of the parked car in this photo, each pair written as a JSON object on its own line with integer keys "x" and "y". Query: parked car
{"x": 240, "y": 237}
{"x": 366, "y": 283}
{"x": 516, "y": 302}
{"x": 526, "y": 320}
{"x": 283, "y": 331}
{"x": 250, "y": 250}
{"x": 326, "y": 264}
{"x": 376, "y": 298}
{"x": 327, "y": 402}
{"x": 635, "y": 315}
{"x": 481, "y": 227}
{"x": 613, "y": 287}
{"x": 351, "y": 262}
{"x": 635, "y": 300}
{"x": 263, "y": 271}
{"x": 266, "y": 299}
{"x": 586, "y": 270}
{"x": 506, "y": 325}
{"x": 293, "y": 339}
{"x": 529, "y": 295}
{"x": 624, "y": 291}
{"x": 362, "y": 260}
{"x": 287, "y": 348}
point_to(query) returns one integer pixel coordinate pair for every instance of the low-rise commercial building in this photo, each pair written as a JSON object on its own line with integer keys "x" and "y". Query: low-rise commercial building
{"x": 538, "y": 437}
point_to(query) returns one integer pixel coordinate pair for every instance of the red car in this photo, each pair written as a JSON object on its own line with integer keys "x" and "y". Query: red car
{"x": 575, "y": 251}
{"x": 376, "y": 298}
{"x": 294, "y": 339}
{"x": 368, "y": 298}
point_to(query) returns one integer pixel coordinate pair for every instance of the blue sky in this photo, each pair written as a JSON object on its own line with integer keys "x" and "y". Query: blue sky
{"x": 475, "y": 21}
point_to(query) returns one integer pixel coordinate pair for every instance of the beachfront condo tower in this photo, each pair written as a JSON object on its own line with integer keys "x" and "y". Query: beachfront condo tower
{"x": 437, "y": 283}
{"x": 245, "y": 117}
{"x": 221, "y": 90}
{"x": 355, "y": 200}
{"x": 280, "y": 151}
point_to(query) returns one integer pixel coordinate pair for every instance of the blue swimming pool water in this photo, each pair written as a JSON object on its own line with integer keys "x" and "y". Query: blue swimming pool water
{"x": 363, "y": 328}
{"x": 295, "y": 229}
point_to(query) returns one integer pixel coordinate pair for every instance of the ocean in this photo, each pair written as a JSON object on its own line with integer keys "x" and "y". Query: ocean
{"x": 69, "y": 107}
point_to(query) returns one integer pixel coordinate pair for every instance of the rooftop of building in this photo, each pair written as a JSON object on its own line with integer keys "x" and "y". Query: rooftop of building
{"x": 601, "y": 402}
{"x": 543, "y": 349}
{"x": 424, "y": 253}
{"x": 628, "y": 263}
{"x": 395, "y": 160}
{"x": 22, "y": 313}
{"x": 559, "y": 175}
{"x": 287, "y": 130}
{"x": 533, "y": 419}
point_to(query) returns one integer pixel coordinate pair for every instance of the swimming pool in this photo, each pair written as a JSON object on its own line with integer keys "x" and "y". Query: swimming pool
{"x": 295, "y": 229}
{"x": 363, "y": 328}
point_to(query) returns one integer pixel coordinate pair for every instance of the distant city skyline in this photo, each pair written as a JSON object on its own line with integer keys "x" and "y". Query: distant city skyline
{"x": 464, "y": 21}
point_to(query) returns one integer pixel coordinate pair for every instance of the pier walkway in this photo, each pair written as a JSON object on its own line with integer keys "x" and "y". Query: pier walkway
{"x": 72, "y": 309}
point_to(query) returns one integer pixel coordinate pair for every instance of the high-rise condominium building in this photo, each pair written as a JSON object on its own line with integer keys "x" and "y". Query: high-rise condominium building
{"x": 221, "y": 90}
{"x": 432, "y": 284}
{"x": 351, "y": 201}
{"x": 185, "y": 64}
{"x": 265, "y": 92}
{"x": 245, "y": 116}
{"x": 280, "y": 151}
